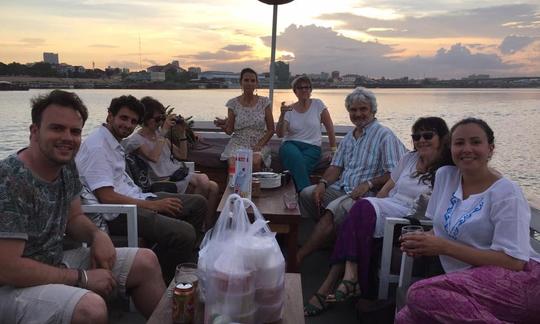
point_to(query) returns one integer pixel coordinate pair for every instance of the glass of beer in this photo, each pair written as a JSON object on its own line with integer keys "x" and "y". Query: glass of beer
{"x": 187, "y": 273}
{"x": 411, "y": 229}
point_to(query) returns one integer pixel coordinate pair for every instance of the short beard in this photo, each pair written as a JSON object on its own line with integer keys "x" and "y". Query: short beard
{"x": 52, "y": 159}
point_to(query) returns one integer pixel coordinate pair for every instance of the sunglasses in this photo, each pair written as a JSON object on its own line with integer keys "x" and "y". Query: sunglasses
{"x": 304, "y": 88}
{"x": 425, "y": 135}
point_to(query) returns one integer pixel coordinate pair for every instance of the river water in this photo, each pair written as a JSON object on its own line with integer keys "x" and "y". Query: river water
{"x": 514, "y": 115}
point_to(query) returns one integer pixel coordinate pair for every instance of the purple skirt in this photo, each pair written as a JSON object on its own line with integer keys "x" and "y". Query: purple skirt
{"x": 355, "y": 239}
{"x": 487, "y": 294}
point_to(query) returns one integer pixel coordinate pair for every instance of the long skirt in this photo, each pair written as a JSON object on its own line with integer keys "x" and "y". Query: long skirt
{"x": 355, "y": 240}
{"x": 487, "y": 294}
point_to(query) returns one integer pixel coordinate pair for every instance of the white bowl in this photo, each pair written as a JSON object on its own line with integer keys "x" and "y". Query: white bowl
{"x": 268, "y": 179}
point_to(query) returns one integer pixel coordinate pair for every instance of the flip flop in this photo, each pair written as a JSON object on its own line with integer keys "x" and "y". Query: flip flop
{"x": 311, "y": 309}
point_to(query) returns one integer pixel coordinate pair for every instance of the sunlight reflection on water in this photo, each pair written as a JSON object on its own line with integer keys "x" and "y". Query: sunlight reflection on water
{"x": 514, "y": 114}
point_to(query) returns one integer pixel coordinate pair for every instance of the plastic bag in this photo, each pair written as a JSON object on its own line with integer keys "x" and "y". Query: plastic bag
{"x": 243, "y": 267}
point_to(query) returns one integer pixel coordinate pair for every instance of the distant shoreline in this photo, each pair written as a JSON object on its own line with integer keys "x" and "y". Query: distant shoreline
{"x": 25, "y": 83}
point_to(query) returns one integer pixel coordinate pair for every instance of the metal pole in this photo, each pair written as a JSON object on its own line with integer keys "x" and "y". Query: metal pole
{"x": 273, "y": 56}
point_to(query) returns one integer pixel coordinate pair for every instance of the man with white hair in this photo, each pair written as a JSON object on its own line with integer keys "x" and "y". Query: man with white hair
{"x": 362, "y": 165}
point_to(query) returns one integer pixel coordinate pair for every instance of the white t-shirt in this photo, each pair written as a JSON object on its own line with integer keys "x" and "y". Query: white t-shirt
{"x": 401, "y": 198}
{"x": 496, "y": 219}
{"x": 101, "y": 163}
{"x": 305, "y": 127}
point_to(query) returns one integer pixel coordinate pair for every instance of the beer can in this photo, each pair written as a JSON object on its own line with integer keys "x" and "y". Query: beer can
{"x": 183, "y": 307}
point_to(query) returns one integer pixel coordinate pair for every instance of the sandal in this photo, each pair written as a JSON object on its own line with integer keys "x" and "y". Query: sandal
{"x": 352, "y": 290}
{"x": 311, "y": 309}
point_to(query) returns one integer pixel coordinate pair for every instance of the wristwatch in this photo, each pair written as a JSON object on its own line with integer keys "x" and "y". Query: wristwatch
{"x": 324, "y": 182}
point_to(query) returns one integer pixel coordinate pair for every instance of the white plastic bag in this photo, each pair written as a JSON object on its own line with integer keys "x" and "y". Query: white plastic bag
{"x": 243, "y": 267}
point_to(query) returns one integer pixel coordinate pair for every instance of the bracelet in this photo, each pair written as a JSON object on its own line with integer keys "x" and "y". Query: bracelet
{"x": 85, "y": 279}
{"x": 333, "y": 149}
{"x": 323, "y": 181}
{"x": 82, "y": 279}
{"x": 182, "y": 139}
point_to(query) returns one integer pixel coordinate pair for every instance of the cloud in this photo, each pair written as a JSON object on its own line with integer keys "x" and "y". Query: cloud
{"x": 102, "y": 46}
{"x": 494, "y": 21}
{"x": 151, "y": 62}
{"x": 116, "y": 10}
{"x": 33, "y": 41}
{"x": 213, "y": 56}
{"x": 481, "y": 47}
{"x": 460, "y": 57}
{"x": 286, "y": 57}
{"x": 513, "y": 43}
{"x": 236, "y": 66}
{"x": 123, "y": 64}
{"x": 230, "y": 52}
{"x": 237, "y": 48}
{"x": 315, "y": 49}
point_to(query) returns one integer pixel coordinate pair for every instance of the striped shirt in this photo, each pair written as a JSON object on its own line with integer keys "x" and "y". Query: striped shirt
{"x": 375, "y": 152}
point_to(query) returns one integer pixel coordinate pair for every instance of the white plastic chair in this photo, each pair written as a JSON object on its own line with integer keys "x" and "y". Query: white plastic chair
{"x": 385, "y": 277}
{"x": 132, "y": 232}
{"x": 129, "y": 210}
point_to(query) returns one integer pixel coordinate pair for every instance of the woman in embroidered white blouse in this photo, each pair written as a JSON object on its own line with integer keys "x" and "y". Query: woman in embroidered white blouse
{"x": 481, "y": 234}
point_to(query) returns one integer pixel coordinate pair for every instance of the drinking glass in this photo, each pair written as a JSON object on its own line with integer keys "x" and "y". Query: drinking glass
{"x": 411, "y": 229}
{"x": 187, "y": 273}
{"x": 290, "y": 199}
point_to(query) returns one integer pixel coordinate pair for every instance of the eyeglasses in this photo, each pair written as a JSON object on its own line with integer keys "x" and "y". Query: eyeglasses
{"x": 426, "y": 135}
{"x": 303, "y": 88}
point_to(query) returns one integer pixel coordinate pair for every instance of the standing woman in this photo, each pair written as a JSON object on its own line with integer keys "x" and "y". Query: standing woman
{"x": 300, "y": 126}
{"x": 481, "y": 235}
{"x": 249, "y": 121}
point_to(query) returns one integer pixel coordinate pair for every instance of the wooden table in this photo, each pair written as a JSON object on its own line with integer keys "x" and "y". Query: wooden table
{"x": 282, "y": 220}
{"x": 292, "y": 314}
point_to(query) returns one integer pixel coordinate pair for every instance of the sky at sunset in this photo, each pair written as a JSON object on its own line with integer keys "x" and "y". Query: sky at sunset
{"x": 391, "y": 38}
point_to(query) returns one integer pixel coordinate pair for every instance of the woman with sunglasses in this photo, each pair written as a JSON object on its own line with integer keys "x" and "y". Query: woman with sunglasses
{"x": 300, "y": 126}
{"x": 249, "y": 122}
{"x": 481, "y": 235}
{"x": 413, "y": 177}
{"x": 150, "y": 143}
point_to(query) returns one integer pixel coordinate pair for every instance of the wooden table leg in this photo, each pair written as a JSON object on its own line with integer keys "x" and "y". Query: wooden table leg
{"x": 292, "y": 248}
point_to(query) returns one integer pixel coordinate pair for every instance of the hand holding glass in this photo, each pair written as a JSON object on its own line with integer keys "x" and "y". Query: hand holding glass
{"x": 411, "y": 229}
{"x": 408, "y": 230}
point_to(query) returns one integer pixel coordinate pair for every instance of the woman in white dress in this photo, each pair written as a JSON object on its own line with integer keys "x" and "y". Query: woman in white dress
{"x": 249, "y": 122}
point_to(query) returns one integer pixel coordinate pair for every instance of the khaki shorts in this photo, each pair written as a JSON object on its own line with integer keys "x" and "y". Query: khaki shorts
{"x": 55, "y": 303}
{"x": 340, "y": 207}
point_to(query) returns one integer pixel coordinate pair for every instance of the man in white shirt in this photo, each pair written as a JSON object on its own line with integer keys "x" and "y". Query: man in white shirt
{"x": 172, "y": 221}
